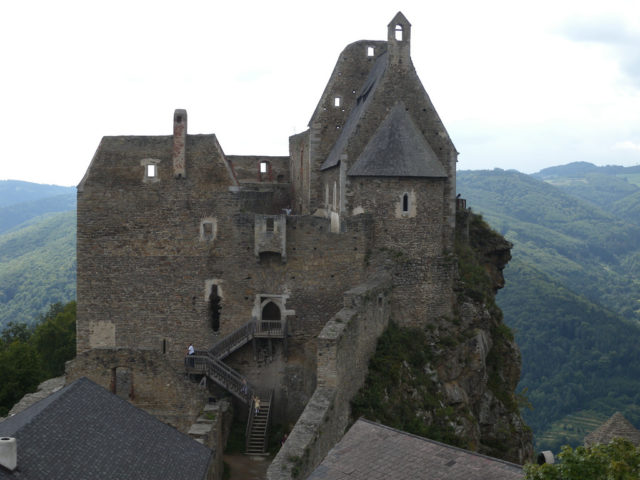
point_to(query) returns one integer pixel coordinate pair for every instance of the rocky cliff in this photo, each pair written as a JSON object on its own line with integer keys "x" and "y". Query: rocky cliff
{"x": 454, "y": 380}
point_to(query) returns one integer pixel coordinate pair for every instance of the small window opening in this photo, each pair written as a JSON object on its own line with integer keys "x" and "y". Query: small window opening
{"x": 207, "y": 229}
{"x": 179, "y": 119}
{"x": 214, "y": 308}
{"x": 336, "y": 102}
{"x": 399, "y": 32}
{"x": 405, "y": 203}
{"x": 270, "y": 225}
{"x": 164, "y": 345}
{"x": 263, "y": 167}
{"x": 370, "y": 51}
{"x": 151, "y": 170}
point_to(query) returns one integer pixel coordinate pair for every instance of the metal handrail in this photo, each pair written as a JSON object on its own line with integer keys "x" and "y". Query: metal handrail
{"x": 234, "y": 340}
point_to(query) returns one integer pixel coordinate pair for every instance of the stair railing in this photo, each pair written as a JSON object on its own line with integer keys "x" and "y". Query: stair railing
{"x": 234, "y": 340}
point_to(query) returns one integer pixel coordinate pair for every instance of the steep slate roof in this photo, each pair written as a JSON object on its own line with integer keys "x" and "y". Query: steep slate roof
{"x": 398, "y": 149}
{"x": 364, "y": 99}
{"x": 373, "y": 451}
{"x": 85, "y": 432}
{"x": 616, "y": 426}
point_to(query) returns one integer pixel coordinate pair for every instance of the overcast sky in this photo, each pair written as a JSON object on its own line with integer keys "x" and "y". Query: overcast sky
{"x": 522, "y": 85}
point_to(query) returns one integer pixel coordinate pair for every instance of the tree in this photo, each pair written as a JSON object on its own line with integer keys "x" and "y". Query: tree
{"x": 618, "y": 460}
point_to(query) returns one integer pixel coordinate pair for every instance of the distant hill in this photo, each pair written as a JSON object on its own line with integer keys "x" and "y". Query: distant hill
{"x": 37, "y": 249}
{"x": 16, "y": 191}
{"x": 572, "y": 286}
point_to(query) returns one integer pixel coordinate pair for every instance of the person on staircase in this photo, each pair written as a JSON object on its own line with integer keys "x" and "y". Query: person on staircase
{"x": 256, "y": 403}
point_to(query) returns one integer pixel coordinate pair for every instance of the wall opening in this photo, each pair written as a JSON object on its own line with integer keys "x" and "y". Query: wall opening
{"x": 370, "y": 51}
{"x": 398, "y": 32}
{"x": 263, "y": 167}
{"x": 405, "y": 203}
{"x": 270, "y": 224}
{"x": 336, "y": 101}
{"x": 270, "y": 311}
{"x": 214, "y": 308}
{"x": 164, "y": 345}
{"x": 151, "y": 170}
{"x": 122, "y": 382}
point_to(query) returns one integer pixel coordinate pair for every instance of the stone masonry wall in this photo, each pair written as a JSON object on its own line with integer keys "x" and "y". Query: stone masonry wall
{"x": 154, "y": 384}
{"x": 345, "y": 346}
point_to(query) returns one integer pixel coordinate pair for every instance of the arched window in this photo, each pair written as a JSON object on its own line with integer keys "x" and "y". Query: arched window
{"x": 398, "y": 32}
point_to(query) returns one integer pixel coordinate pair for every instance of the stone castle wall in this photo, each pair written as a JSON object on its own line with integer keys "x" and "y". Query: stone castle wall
{"x": 146, "y": 378}
{"x": 345, "y": 346}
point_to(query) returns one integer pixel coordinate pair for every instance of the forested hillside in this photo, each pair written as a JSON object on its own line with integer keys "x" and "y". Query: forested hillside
{"x": 37, "y": 249}
{"x": 572, "y": 287}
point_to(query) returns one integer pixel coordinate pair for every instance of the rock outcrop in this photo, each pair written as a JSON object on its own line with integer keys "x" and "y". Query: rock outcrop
{"x": 455, "y": 379}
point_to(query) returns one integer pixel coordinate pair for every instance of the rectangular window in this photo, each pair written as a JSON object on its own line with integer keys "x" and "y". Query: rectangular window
{"x": 270, "y": 224}
{"x": 151, "y": 170}
{"x": 370, "y": 51}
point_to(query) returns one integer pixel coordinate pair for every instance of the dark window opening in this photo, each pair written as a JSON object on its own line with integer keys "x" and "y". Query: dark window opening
{"x": 270, "y": 312}
{"x": 207, "y": 229}
{"x": 164, "y": 345}
{"x": 214, "y": 308}
{"x": 405, "y": 203}
{"x": 270, "y": 224}
{"x": 122, "y": 382}
{"x": 179, "y": 119}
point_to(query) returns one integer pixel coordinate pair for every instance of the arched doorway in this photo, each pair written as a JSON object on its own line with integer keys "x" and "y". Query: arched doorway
{"x": 270, "y": 311}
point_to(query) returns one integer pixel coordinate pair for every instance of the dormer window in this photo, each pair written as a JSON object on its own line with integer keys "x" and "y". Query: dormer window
{"x": 398, "y": 32}
{"x": 371, "y": 51}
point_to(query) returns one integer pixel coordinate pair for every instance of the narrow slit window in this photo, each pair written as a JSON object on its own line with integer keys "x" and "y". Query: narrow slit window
{"x": 151, "y": 170}
{"x": 405, "y": 203}
{"x": 370, "y": 51}
{"x": 399, "y": 32}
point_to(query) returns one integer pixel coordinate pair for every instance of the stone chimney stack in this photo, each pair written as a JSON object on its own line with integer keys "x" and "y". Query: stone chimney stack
{"x": 9, "y": 453}
{"x": 399, "y": 40}
{"x": 179, "y": 143}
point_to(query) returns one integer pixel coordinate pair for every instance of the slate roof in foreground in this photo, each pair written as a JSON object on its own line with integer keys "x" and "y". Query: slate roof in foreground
{"x": 84, "y": 432}
{"x": 375, "y": 452}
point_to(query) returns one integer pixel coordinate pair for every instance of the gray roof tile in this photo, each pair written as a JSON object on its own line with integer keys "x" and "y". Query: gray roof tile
{"x": 398, "y": 149}
{"x": 85, "y": 432}
{"x": 370, "y": 450}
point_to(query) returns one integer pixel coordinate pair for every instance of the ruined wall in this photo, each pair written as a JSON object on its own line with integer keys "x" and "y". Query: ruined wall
{"x": 247, "y": 168}
{"x": 345, "y": 346}
{"x": 152, "y": 249}
{"x": 153, "y": 383}
{"x": 299, "y": 167}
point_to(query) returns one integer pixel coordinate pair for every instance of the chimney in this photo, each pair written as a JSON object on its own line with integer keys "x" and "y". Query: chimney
{"x": 179, "y": 142}
{"x": 8, "y": 453}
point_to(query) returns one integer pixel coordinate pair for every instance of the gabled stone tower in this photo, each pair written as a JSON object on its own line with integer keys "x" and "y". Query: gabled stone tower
{"x": 179, "y": 242}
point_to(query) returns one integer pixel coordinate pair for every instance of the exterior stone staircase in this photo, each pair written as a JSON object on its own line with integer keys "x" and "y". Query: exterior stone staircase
{"x": 209, "y": 363}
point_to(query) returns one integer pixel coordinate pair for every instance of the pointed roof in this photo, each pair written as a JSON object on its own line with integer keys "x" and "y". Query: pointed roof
{"x": 399, "y": 18}
{"x": 398, "y": 149}
{"x": 616, "y": 427}
{"x": 85, "y": 432}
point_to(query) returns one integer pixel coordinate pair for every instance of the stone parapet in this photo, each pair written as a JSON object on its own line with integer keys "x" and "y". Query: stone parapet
{"x": 345, "y": 346}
